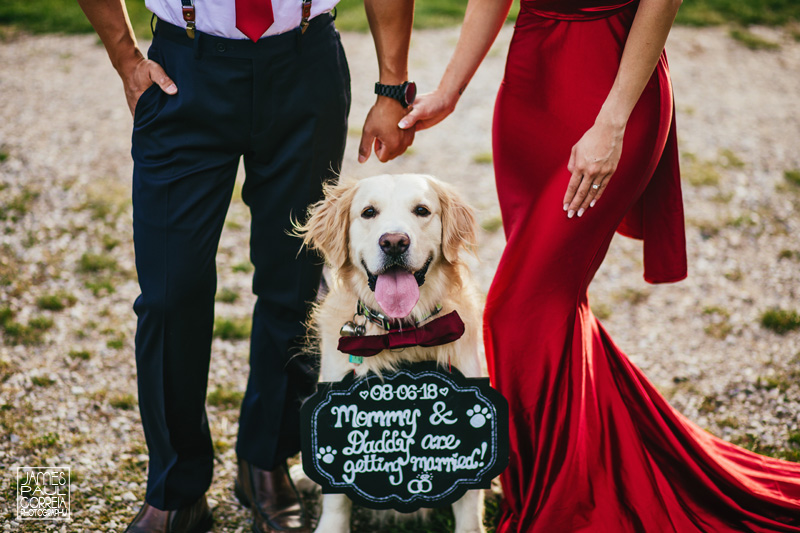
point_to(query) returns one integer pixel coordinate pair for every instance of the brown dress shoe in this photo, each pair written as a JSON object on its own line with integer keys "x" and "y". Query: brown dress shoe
{"x": 271, "y": 495}
{"x": 193, "y": 519}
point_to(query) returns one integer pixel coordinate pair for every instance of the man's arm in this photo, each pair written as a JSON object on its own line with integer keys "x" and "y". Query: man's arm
{"x": 390, "y": 22}
{"x": 110, "y": 20}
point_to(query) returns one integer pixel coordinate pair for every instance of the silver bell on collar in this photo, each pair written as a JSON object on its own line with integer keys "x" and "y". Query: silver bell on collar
{"x": 351, "y": 329}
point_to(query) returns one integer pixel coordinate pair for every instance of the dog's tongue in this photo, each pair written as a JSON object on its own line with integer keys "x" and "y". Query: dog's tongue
{"x": 397, "y": 292}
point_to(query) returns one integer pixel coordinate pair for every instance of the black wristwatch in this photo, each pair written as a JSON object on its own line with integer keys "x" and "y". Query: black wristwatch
{"x": 405, "y": 93}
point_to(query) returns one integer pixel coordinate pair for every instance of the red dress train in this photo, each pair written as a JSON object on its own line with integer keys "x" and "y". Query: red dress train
{"x": 595, "y": 447}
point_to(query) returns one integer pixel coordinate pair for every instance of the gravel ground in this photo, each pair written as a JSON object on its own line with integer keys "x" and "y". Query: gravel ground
{"x": 67, "y": 280}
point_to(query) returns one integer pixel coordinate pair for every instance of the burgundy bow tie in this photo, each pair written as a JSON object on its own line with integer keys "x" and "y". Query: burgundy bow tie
{"x": 436, "y": 332}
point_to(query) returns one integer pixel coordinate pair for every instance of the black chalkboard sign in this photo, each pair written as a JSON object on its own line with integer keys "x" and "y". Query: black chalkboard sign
{"x": 418, "y": 437}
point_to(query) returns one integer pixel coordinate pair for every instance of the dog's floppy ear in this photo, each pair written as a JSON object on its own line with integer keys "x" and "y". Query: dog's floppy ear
{"x": 328, "y": 224}
{"x": 459, "y": 228}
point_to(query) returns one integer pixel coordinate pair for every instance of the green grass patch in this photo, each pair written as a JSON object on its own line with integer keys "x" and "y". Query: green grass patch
{"x": 126, "y": 402}
{"x": 702, "y": 174}
{"x": 100, "y": 286}
{"x": 225, "y": 398}
{"x": 713, "y": 12}
{"x": 789, "y": 254}
{"x": 42, "y": 381}
{"x": 728, "y": 422}
{"x": 93, "y": 263}
{"x": 29, "y": 334}
{"x": 729, "y": 159}
{"x": 780, "y": 382}
{"x": 483, "y": 158}
{"x": 492, "y": 224}
{"x": 632, "y": 296}
{"x": 753, "y": 443}
{"x": 601, "y": 311}
{"x": 82, "y": 355}
{"x": 244, "y": 266}
{"x": 7, "y": 369}
{"x": 6, "y": 314}
{"x": 109, "y": 242}
{"x": 18, "y": 206}
{"x": 780, "y": 321}
{"x": 751, "y": 40}
{"x": 47, "y": 441}
{"x": 116, "y": 344}
{"x": 227, "y": 296}
{"x": 63, "y": 16}
{"x": 792, "y": 176}
{"x": 56, "y": 301}
{"x": 232, "y": 329}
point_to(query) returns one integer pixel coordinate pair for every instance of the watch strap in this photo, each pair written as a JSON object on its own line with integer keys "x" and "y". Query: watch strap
{"x": 398, "y": 92}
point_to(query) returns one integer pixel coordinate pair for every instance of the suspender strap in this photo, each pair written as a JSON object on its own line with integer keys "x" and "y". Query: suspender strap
{"x": 306, "y": 15}
{"x": 189, "y": 16}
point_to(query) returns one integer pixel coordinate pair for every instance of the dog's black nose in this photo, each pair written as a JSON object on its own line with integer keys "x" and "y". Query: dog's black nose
{"x": 394, "y": 243}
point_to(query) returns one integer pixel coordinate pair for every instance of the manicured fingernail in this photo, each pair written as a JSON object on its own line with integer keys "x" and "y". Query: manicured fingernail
{"x": 403, "y": 124}
{"x": 580, "y": 212}
{"x": 361, "y": 158}
{"x": 571, "y": 213}
{"x": 566, "y": 206}
{"x": 591, "y": 204}
{"x": 172, "y": 89}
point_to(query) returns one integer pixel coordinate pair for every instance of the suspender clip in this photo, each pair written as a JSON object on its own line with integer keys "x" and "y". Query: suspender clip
{"x": 306, "y": 15}
{"x": 189, "y": 16}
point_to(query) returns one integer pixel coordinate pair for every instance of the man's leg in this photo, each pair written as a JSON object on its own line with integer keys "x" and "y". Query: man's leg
{"x": 298, "y": 144}
{"x": 185, "y": 155}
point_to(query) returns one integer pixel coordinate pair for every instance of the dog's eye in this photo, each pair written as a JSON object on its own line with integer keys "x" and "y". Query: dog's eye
{"x": 421, "y": 211}
{"x": 369, "y": 212}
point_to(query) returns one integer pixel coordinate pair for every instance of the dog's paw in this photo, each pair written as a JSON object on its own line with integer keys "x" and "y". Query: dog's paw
{"x": 326, "y": 454}
{"x": 478, "y": 416}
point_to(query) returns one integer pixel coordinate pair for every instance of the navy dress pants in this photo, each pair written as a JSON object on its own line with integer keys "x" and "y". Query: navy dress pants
{"x": 282, "y": 105}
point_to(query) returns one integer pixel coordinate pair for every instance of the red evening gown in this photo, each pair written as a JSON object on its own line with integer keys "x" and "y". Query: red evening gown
{"x": 595, "y": 447}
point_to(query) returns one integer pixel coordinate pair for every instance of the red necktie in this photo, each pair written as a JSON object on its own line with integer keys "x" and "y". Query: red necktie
{"x": 440, "y": 331}
{"x": 254, "y": 17}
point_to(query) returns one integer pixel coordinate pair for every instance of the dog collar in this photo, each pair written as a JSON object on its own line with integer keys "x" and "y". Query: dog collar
{"x": 380, "y": 319}
{"x": 352, "y": 329}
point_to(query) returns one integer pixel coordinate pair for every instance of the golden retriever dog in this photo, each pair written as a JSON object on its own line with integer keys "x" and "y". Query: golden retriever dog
{"x": 395, "y": 244}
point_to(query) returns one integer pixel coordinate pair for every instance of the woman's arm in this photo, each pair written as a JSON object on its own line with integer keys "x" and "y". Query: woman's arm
{"x": 482, "y": 23}
{"x": 596, "y": 155}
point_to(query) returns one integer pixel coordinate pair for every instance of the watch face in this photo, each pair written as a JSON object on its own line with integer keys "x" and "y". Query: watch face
{"x": 411, "y": 92}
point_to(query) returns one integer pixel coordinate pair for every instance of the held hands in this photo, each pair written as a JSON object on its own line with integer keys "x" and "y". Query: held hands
{"x": 593, "y": 161}
{"x": 380, "y": 129}
{"x": 428, "y": 110}
{"x": 141, "y": 75}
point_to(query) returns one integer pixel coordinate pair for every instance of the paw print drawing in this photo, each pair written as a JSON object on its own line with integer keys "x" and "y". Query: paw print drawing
{"x": 478, "y": 416}
{"x": 326, "y": 454}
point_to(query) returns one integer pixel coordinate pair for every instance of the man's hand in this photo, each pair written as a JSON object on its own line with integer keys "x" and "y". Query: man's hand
{"x": 380, "y": 129}
{"x": 110, "y": 19}
{"x": 142, "y": 75}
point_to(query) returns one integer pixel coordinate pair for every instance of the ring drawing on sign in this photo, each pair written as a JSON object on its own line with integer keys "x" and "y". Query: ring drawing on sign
{"x": 421, "y": 485}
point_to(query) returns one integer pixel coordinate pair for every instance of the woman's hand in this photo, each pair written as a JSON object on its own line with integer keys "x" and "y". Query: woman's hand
{"x": 593, "y": 160}
{"x": 428, "y": 110}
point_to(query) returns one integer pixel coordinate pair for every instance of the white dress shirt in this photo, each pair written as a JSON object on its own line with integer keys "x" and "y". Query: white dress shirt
{"x": 218, "y": 17}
